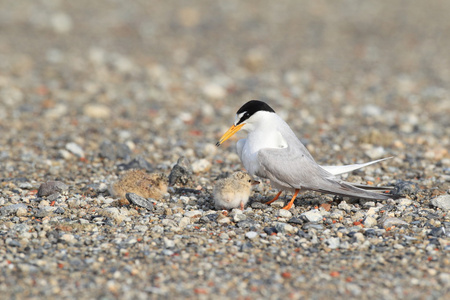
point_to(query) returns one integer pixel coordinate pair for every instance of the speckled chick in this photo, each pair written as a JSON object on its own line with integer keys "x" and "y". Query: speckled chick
{"x": 146, "y": 185}
{"x": 233, "y": 191}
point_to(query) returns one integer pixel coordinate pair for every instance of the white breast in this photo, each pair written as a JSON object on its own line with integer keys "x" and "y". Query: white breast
{"x": 248, "y": 148}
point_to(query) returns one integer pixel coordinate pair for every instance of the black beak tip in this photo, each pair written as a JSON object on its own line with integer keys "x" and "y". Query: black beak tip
{"x": 217, "y": 144}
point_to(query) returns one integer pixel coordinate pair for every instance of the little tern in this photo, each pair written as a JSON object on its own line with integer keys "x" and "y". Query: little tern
{"x": 273, "y": 151}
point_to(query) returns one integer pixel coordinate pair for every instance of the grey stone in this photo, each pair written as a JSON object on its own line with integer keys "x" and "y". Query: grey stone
{"x": 12, "y": 209}
{"x": 140, "y": 201}
{"x": 181, "y": 173}
{"x": 312, "y": 215}
{"x": 75, "y": 149}
{"x": 443, "y": 202}
{"x": 51, "y": 187}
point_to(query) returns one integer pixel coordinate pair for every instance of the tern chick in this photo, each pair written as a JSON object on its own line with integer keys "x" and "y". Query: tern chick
{"x": 233, "y": 191}
{"x": 273, "y": 151}
{"x": 139, "y": 182}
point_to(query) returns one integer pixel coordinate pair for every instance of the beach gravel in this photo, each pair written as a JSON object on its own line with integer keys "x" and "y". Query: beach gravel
{"x": 92, "y": 89}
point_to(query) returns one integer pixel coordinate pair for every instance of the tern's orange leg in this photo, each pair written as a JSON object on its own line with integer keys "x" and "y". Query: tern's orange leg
{"x": 274, "y": 199}
{"x": 288, "y": 207}
{"x": 242, "y": 205}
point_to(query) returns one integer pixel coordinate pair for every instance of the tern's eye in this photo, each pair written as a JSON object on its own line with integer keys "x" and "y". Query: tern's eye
{"x": 249, "y": 180}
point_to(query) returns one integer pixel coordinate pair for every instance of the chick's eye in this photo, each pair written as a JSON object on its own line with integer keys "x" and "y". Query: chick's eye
{"x": 250, "y": 180}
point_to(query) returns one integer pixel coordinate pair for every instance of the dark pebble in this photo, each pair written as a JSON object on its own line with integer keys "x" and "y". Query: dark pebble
{"x": 302, "y": 234}
{"x": 295, "y": 220}
{"x": 259, "y": 205}
{"x": 437, "y": 231}
{"x": 13, "y": 243}
{"x": 137, "y": 163}
{"x": 53, "y": 197}
{"x": 113, "y": 151}
{"x": 51, "y": 187}
{"x": 250, "y": 224}
{"x": 140, "y": 201}
{"x": 270, "y": 230}
{"x": 60, "y": 210}
{"x": 313, "y": 226}
{"x": 41, "y": 213}
{"x": 181, "y": 173}
{"x": 403, "y": 187}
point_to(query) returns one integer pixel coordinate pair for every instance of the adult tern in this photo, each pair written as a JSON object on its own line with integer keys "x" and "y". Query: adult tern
{"x": 272, "y": 151}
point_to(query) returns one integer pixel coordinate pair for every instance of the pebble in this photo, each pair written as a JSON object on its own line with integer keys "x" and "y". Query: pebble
{"x": 214, "y": 91}
{"x": 136, "y": 163}
{"x": 251, "y": 235}
{"x": 181, "y": 172}
{"x": 285, "y": 228}
{"x": 369, "y": 222}
{"x": 387, "y": 222}
{"x": 75, "y": 149}
{"x": 193, "y": 214}
{"x": 403, "y": 187}
{"x": 344, "y": 206}
{"x": 312, "y": 216}
{"x": 12, "y": 209}
{"x": 283, "y": 213}
{"x": 404, "y": 201}
{"x": 140, "y": 201}
{"x": 333, "y": 243}
{"x": 21, "y": 211}
{"x": 443, "y": 202}
{"x": 97, "y": 111}
{"x": 51, "y": 187}
{"x": 201, "y": 166}
{"x": 114, "y": 151}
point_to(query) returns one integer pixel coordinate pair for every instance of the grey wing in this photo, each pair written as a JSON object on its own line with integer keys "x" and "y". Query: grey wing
{"x": 291, "y": 168}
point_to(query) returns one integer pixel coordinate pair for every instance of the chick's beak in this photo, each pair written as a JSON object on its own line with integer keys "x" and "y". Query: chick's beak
{"x": 233, "y": 129}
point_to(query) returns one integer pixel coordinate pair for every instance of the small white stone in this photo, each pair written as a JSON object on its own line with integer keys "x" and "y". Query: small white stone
{"x": 239, "y": 217}
{"x": 168, "y": 243}
{"x": 21, "y": 211}
{"x": 224, "y": 220}
{"x": 369, "y": 222}
{"x": 193, "y": 214}
{"x": 201, "y": 165}
{"x": 285, "y": 228}
{"x": 214, "y": 91}
{"x": 313, "y": 215}
{"x": 443, "y": 202}
{"x": 283, "y": 213}
{"x": 97, "y": 111}
{"x": 69, "y": 238}
{"x": 404, "y": 201}
{"x": 184, "y": 222}
{"x": 344, "y": 206}
{"x": 333, "y": 243}
{"x": 251, "y": 235}
{"x": 359, "y": 236}
{"x": 75, "y": 149}
{"x": 336, "y": 214}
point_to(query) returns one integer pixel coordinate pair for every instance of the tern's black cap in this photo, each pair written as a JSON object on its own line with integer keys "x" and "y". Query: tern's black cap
{"x": 251, "y": 107}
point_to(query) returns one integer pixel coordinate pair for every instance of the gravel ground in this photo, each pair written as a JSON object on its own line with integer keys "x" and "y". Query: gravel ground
{"x": 91, "y": 89}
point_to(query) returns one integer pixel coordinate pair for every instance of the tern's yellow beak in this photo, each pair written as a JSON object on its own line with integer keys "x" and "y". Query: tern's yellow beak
{"x": 233, "y": 129}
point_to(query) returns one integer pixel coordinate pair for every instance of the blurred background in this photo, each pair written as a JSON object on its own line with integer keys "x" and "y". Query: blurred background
{"x": 370, "y": 71}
